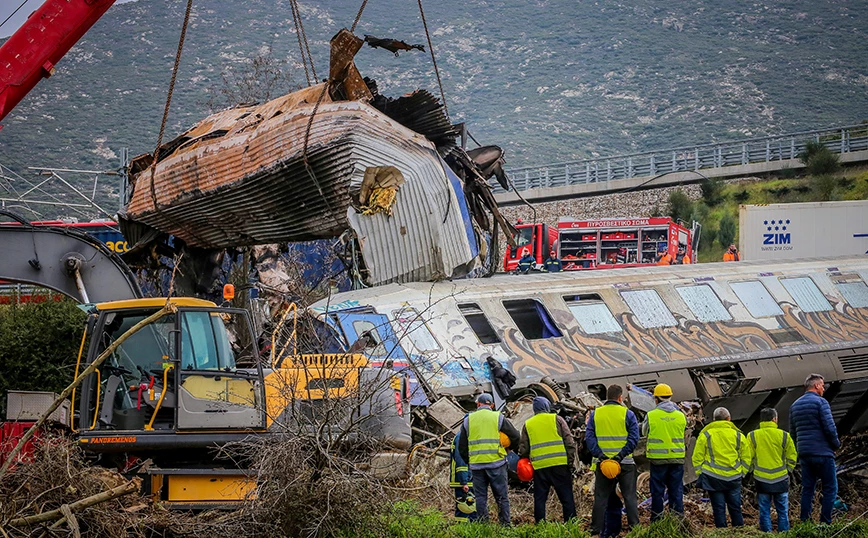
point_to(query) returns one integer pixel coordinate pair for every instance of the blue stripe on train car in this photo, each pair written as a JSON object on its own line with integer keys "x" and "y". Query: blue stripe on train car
{"x": 462, "y": 205}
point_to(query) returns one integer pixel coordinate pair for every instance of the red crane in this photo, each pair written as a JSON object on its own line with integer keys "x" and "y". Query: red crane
{"x": 31, "y": 53}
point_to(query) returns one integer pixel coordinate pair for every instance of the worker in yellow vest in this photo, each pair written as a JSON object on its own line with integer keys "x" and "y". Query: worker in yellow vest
{"x": 664, "y": 427}
{"x": 479, "y": 444}
{"x": 611, "y": 436}
{"x": 774, "y": 455}
{"x": 721, "y": 457}
{"x": 546, "y": 439}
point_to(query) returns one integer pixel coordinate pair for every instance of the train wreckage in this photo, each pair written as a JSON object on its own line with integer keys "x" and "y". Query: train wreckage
{"x": 741, "y": 335}
{"x": 326, "y": 160}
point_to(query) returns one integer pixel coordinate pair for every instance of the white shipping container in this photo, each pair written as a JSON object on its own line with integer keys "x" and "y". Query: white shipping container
{"x": 808, "y": 230}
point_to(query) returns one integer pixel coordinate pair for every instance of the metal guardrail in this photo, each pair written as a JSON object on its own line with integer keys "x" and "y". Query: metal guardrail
{"x": 699, "y": 157}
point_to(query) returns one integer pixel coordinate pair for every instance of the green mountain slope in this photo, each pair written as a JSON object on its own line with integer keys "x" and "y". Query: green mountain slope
{"x": 550, "y": 80}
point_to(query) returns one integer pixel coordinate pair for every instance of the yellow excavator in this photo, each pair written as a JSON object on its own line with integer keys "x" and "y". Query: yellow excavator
{"x": 192, "y": 380}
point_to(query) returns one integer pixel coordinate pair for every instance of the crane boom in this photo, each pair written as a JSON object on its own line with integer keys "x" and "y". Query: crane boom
{"x": 31, "y": 53}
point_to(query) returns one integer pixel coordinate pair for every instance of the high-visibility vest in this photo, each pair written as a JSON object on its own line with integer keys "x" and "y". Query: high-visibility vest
{"x": 483, "y": 437}
{"x": 546, "y": 445}
{"x": 723, "y": 453}
{"x": 773, "y": 453}
{"x": 610, "y": 426}
{"x": 665, "y": 434}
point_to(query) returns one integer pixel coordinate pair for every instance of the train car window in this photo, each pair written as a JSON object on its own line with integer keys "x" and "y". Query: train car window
{"x": 856, "y": 293}
{"x": 373, "y": 342}
{"x": 410, "y": 323}
{"x": 806, "y": 294}
{"x": 532, "y": 319}
{"x": 649, "y": 308}
{"x": 704, "y": 303}
{"x": 479, "y": 323}
{"x": 592, "y": 313}
{"x": 756, "y": 298}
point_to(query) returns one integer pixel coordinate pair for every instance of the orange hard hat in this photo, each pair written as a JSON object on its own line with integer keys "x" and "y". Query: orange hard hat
{"x": 610, "y": 468}
{"x": 524, "y": 469}
{"x": 504, "y": 440}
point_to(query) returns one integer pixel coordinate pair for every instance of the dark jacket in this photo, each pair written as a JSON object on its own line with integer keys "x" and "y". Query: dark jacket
{"x": 459, "y": 472}
{"x": 812, "y": 426}
{"x": 506, "y": 428}
{"x": 632, "y": 437}
{"x": 563, "y": 431}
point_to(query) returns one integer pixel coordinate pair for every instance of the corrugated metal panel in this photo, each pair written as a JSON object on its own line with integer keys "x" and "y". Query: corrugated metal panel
{"x": 649, "y": 308}
{"x": 424, "y": 238}
{"x": 703, "y": 302}
{"x": 757, "y": 299}
{"x": 806, "y": 294}
{"x": 855, "y": 293}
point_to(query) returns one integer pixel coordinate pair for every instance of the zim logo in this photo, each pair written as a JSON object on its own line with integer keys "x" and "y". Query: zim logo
{"x": 777, "y": 235}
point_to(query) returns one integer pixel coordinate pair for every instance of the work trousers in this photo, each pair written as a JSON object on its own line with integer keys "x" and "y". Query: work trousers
{"x": 605, "y": 488}
{"x": 820, "y": 468}
{"x": 497, "y": 479}
{"x": 669, "y": 476}
{"x": 782, "y": 502}
{"x": 731, "y": 499}
{"x": 559, "y": 478}
{"x": 612, "y": 521}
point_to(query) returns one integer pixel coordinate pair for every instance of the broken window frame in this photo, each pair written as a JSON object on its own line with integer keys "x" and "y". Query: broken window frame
{"x": 809, "y": 297}
{"x": 479, "y": 321}
{"x": 597, "y": 308}
{"x": 414, "y": 329}
{"x": 642, "y": 314}
{"x": 707, "y": 296}
{"x": 767, "y": 309}
{"x": 546, "y": 323}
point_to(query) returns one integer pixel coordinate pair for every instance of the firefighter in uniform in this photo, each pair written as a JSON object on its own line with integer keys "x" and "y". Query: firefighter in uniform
{"x": 546, "y": 439}
{"x": 552, "y": 263}
{"x": 665, "y": 426}
{"x": 526, "y": 263}
{"x": 721, "y": 457}
{"x": 611, "y": 436}
{"x": 774, "y": 454}
{"x": 479, "y": 445}
{"x": 459, "y": 481}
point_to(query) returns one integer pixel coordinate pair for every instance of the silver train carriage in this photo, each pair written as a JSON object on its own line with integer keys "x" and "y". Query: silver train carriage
{"x": 743, "y": 335}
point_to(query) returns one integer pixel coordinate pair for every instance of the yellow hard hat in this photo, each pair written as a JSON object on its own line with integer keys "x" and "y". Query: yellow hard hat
{"x": 610, "y": 468}
{"x": 468, "y": 505}
{"x": 504, "y": 440}
{"x": 663, "y": 390}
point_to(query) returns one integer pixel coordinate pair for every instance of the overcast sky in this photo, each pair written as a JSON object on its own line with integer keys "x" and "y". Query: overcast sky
{"x": 8, "y": 6}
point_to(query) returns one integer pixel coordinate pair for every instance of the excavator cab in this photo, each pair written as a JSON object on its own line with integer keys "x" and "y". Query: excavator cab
{"x": 192, "y": 371}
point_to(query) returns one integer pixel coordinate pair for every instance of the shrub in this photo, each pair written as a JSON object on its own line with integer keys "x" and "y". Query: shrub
{"x": 727, "y": 230}
{"x": 707, "y": 237}
{"x": 742, "y": 196}
{"x": 712, "y": 191}
{"x": 824, "y": 187}
{"x": 819, "y": 159}
{"x": 680, "y": 207}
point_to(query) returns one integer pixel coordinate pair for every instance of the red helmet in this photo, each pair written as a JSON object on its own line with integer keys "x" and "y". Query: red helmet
{"x": 524, "y": 469}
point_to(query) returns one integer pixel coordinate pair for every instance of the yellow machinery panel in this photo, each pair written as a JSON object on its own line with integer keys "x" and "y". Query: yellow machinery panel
{"x": 220, "y": 487}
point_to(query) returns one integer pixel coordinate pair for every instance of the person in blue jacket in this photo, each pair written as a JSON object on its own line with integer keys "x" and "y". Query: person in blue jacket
{"x": 526, "y": 263}
{"x": 552, "y": 263}
{"x": 813, "y": 430}
{"x": 459, "y": 481}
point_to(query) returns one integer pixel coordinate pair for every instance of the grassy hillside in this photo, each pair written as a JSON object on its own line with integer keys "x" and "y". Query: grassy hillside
{"x": 551, "y": 80}
{"x": 711, "y": 210}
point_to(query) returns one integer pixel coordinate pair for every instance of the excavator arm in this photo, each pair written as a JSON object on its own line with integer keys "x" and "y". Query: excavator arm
{"x": 31, "y": 53}
{"x": 65, "y": 261}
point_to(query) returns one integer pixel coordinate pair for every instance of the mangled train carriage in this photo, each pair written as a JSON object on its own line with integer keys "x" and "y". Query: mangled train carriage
{"x": 742, "y": 335}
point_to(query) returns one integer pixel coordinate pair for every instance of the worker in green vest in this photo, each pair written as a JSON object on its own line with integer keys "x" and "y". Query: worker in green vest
{"x": 480, "y": 445}
{"x": 774, "y": 455}
{"x": 664, "y": 427}
{"x": 546, "y": 439}
{"x": 721, "y": 457}
{"x": 611, "y": 435}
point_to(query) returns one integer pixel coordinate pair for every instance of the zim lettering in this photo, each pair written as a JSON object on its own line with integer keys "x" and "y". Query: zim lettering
{"x": 776, "y": 239}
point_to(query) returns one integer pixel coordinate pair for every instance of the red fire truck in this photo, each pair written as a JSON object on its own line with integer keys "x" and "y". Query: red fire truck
{"x": 605, "y": 243}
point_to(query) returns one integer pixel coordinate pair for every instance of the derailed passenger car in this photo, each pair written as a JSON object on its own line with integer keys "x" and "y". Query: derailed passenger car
{"x": 739, "y": 335}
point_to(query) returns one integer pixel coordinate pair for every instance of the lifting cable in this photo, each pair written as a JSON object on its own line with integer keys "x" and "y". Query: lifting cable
{"x": 358, "y": 17}
{"x": 433, "y": 58}
{"x": 304, "y": 37}
{"x": 166, "y": 109}
{"x": 296, "y": 19}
